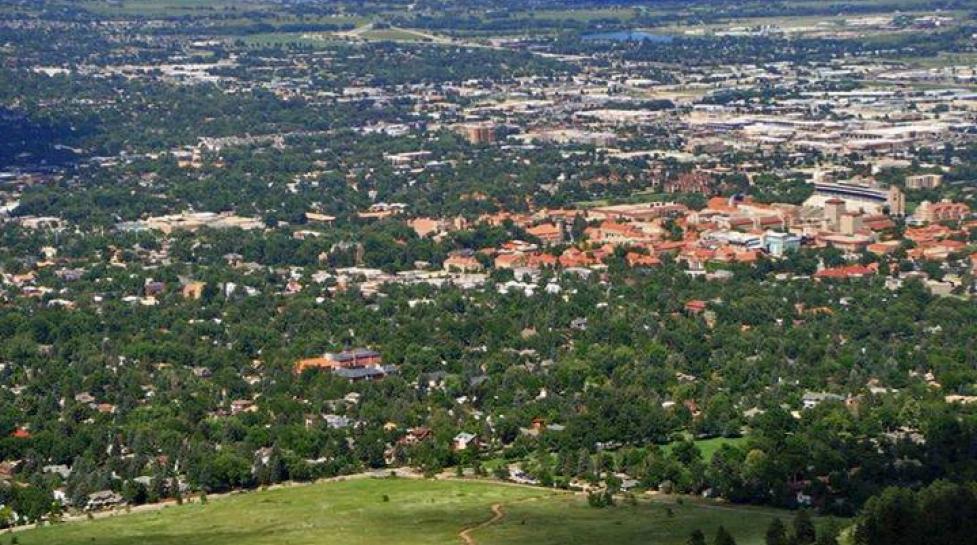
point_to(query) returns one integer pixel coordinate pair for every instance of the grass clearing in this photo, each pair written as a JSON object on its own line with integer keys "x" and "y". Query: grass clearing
{"x": 419, "y": 512}
{"x": 394, "y": 34}
{"x": 568, "y": 519}
{"x": 168, "y": 8}
{"x": 708, "y": 447}
{"x": 591, "y": 14}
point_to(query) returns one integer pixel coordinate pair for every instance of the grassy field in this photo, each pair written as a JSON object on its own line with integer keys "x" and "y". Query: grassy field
{"x": 393, "y": 34}
{"x": 568, "y": 519}
{"x": 164, "y": 8}
{"x": 418, "y": 512}
{"x": 708, "y": 447}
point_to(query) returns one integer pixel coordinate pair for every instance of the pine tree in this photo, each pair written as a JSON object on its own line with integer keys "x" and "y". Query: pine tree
{"x": 776, "y": 533}
{"x": 804, "y": 532}
{"x": 723, "y": 537}
{"x": 697, "y": 538}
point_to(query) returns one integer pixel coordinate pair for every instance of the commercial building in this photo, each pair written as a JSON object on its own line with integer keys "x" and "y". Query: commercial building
{"x": 941, "y": 211}
{"x": 777, "y": 243}
{"x": 924, "y": 181}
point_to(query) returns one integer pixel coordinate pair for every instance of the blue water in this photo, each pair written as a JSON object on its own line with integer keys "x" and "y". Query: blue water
{"x": 626, "y": 36}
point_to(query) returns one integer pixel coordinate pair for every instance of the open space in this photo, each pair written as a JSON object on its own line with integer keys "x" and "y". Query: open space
{"x": 418, "y": 512}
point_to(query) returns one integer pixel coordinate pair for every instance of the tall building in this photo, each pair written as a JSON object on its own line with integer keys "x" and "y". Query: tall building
{"x": 851, "y": 223}
{"x": 833, "y": 209}
{"x": 896, "y": 202}
{"x": 924, "y": 181}
{"x": 478, "y": 133}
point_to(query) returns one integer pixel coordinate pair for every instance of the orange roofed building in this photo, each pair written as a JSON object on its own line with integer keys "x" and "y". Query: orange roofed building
{"x": 462, "y": 263}
{"x": 634, "y": 259}
{"x": 849, "y": 271}
{"x": 612, "y": 232}
{"x": 348, "y": 359}
{"x": 547, "y": 232}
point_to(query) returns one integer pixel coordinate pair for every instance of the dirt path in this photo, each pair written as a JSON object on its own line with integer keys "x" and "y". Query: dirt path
{"x": 497, "y": 515}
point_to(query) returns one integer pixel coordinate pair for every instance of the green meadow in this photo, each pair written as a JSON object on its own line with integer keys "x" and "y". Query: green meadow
{"x": 410, "y": 512}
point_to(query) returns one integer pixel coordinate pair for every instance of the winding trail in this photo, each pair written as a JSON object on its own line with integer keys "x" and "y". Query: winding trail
{"x": 497, "y": 515}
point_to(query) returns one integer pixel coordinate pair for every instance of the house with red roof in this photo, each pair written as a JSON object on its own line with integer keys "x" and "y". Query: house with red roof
{"x": 634, "y": 259}
{"x": 848, "y": 271}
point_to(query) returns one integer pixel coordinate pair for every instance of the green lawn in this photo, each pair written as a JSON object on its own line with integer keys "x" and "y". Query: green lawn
{"x": 568, "y": 519}
{"x": 708, "y": 447}
{"x": 166, "y": 8}
{"x": 393, "y": 34}
{"x": 418, "y": 512}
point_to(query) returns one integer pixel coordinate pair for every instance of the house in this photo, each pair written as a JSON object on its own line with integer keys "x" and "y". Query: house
{"x": 103, "y": 499}
{"x": 433, "y": 380}
{"x": 462, "y": 263}
{"x": 314, "y": 217}
{"x": 193, "y": 290}
{"x": 510, "y": 261}
{"x": 365, "y": 373}
{"x": 635, "y": 259}
{"x": 537, "y": 427}
{"x": 415, "y": 436}
{"x": 347, "y": 359}
{"x": 813, "y": 399}
{"x": 353, "y": 365}
{"x": 849, "y": 271}
{"x": 425, "y": 226}
{"x": 336, "y": 422}
{"x": 60, "y": 469}
{"x": 239, "y": 406}
{"x": 154, "y": 288}
{"x": 463, "y": 440}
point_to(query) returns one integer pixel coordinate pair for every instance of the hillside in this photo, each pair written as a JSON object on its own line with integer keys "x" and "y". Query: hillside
{"x": 418, "y": 512}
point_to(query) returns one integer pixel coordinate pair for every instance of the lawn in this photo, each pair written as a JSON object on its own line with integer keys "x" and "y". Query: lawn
{"x": 708, "y": 447}
{"x": 568, "y": 519}
{"x": 394, "y": 34}
{"x": 167, "y": 8}
{"x": 418, "y": 512}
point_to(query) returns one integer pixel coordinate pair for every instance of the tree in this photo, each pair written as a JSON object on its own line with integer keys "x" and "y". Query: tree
{"x": 134, "y": 493}
{"x": 889, "y": 519}
{"x": 776, "y": 533}
{"x": 697, "y": 538}
{"x": 723, "y": 537}
{"x": 804, "y": 532}
{"x": 828, "y": 534}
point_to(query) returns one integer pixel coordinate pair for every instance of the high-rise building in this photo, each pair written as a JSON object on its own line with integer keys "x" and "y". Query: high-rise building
{"x": 851, "y": 223}
{"x": 833, "y": 209}
{"x": 896, "y": 202}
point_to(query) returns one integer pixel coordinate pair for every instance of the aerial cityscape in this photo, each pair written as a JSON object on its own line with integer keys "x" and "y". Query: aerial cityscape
{"x": 549, "y": 272}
